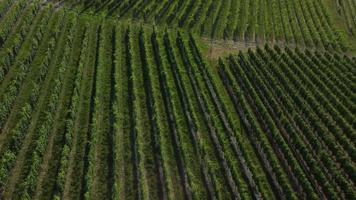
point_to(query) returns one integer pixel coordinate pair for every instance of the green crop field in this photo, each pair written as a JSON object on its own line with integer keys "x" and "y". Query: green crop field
{"x": 177, "y": 99}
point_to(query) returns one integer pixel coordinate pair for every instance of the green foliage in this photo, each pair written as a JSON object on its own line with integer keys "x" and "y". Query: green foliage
{"x": 94, "y": 108}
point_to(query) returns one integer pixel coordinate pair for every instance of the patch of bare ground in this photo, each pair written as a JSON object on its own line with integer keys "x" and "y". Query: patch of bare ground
{"x": 57, "y": 4}
{"x": 215, "y": 49}
{"x": 221, "y": 48}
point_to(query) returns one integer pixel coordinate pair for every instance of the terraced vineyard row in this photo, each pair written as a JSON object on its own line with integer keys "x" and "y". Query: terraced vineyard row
{"x": 347, "y": 9}
{"x": 300, "y": 22}
{"x": 295, "y": 103}
{"x": 100, "y": 110}
{"x": 92, "y": 107}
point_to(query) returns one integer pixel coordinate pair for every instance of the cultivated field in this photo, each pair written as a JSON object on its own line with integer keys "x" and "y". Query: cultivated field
{"x": 177, "y": 99}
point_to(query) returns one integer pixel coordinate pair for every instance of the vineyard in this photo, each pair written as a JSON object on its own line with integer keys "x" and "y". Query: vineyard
{"x": 347, "y": 9}
{"x": 104, "y": 99}
{"x": 280, "y": 21}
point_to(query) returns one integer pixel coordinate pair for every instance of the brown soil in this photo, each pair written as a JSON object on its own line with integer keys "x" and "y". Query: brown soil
{"x": 222, "y": 48}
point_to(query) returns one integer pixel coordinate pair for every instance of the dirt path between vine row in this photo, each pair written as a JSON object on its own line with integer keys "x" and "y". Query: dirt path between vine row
{"x": 223, "y": 48}
{"x": 214, "y": 49}
{"x": 217, "y": 48}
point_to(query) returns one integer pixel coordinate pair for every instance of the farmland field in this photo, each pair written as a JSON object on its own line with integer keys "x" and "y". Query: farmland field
{"x": 177, "y": 99}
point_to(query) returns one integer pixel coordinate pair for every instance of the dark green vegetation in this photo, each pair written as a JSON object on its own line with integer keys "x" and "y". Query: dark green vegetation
{"x": 95, "y": 106}
{"x": 296, "y": 101}
{"x": 301, "y": 22}
{"x": 347, "y": 9}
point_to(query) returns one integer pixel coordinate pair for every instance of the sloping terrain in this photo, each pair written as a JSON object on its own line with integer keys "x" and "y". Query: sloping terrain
{"x": 149, "y": 100}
